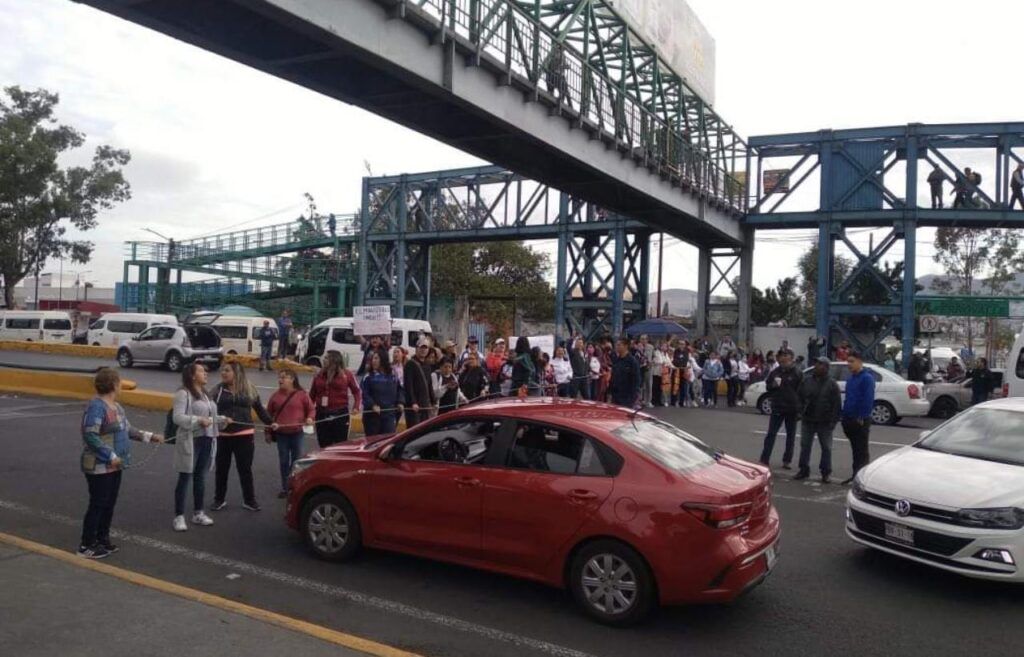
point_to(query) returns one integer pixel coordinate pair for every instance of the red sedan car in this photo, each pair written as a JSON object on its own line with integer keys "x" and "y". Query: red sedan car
{"x": 625, "y": 510}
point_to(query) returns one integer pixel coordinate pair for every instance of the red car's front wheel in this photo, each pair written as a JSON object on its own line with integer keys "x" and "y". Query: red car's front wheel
{"x": 330, "y": 527}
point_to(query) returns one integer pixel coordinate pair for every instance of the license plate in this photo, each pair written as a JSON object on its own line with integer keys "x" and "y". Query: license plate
{"x": 899, "y": 533}
{"x": 771, "y": 555}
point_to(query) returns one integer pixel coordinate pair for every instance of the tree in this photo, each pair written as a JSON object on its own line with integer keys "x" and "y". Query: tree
{"x": 774, "y": 304}
{"x": 38, "y": 198}
{"x": 808, "y": 267}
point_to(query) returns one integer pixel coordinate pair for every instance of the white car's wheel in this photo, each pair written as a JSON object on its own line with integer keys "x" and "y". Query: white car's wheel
{"x": 764, "y": 404}
{"x": 883, "y": 413}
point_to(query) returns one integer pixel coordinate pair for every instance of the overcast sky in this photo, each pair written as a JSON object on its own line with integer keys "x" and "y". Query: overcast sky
{"x": 216, "y": 144}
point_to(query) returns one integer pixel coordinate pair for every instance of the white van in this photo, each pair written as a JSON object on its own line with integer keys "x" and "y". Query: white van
{"x": 1013, "y": 377}
{"x": 241, "y": 335}
{"x": 36, "y": 325}
{"x": 336, "y": 334}
{"x": 113, "y": 329}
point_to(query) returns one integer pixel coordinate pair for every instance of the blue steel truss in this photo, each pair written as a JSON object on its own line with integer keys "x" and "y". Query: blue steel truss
{"x": 856, "y": 171}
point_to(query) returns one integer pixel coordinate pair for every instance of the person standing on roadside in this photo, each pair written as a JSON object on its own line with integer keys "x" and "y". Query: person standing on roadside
{"x": 472, "y": 348}
{"x": 106, "y": 451}
{"x": 495, "y": 363}
{"x": 626, "y": 382}
{"x": 982, "y": 382}
{"x": 382, "y": 401}
{"x": 561, "y": 368}
{"x": 267, "y": 337}
{"x": 292, "y": 411}
{"x": 473, "y": 381}
{"x": 821, "y": 403}
{"x": 524, "y": 371}
{"x": 195, "y": 415}
{"x": 645, "y": 355}
{"x": 593, "y": 374}
{"x": 446, "y": 388}
{"x": 783, "y": 385}
{"x": 284, "y": 328}
{"x": 580, "y": 385}
{"x": 375, "y": 345}
{"x": 236, "y": 399}
{"x": 860, "y": 401}
{"x": 330, "y": 392}
{"x": 419, "y": 395}
{"x": 712, "y": 374}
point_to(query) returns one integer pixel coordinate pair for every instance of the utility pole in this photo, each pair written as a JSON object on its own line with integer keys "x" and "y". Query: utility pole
{"x": 661, "y": 259}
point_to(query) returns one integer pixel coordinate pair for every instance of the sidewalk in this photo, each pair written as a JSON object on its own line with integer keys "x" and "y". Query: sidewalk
{"x": 52, "y": 607}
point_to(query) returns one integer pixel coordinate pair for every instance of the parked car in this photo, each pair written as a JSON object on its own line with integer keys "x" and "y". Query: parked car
{"x": 620, "y": 508}
{"x": 954, "y": 499}
{"x": 175, "y": 346}
{"x": 895, "y": 397}
{"x": 947, "y": 398}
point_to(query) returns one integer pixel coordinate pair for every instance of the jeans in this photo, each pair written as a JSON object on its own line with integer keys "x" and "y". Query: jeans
{"x": 103, "y": 489}
{"x": 711, "y": 392}
{"x": 1017, "y": 196}
{"x": 857, "y": 432}
{"x": 732, "y": 389}
{"x": 647, "y": 385}
{"x": 375, "y": 424}
{"x": 331, "y": 426}
{"x": 936, "y": 201}
{"x": 200, "y": 464}
{"x": 242, "y": 448}
{"x": 824, "y": 432}
{"x": 563, "y": 390}
{"x": 774, "y": 424}
{"x": 266, "y": 353}
{"x": 289, "y": 450}
{"x": 656, "y": 392}
{"x": 282, "y": 344}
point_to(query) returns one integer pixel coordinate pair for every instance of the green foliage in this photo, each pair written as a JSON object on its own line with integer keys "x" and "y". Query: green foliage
{"x": 781, "y": 303}
{"x": 971, "y": 256}
{"x": 808, "y": 267}
{"x": 38, "y": 198}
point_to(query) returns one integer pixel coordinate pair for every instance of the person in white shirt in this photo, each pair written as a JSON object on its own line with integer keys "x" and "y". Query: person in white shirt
{"x": 662, "y": 360}
{"x": 743, "y": 371}
{"x": 562, "y": 369}
{"x": 696, "y": 382}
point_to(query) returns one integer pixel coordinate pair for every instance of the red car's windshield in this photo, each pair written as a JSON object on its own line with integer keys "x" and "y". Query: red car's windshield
{"x": 673, "y": 448}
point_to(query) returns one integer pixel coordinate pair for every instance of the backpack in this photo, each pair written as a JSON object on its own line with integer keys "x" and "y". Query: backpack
{"x": 170, "y": 428}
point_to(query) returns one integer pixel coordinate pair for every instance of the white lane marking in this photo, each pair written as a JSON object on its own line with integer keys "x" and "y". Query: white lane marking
{"x": 348, "y": 595}
{"x": 870, "y": 442}
{"x": 816, "y": 500}
{"x": 36, "y": 416}
{"x": 18, "y": 409}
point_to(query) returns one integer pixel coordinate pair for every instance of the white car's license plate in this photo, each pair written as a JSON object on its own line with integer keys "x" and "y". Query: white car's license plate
{"x": 899, "y": 533}
{"x": 771, "y": 556}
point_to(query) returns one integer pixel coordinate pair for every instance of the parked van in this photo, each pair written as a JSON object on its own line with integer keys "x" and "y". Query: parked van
{"x": 36, "y": 325}
{"x": 241, "y": 335}
{"x": 336, "y": 334}
{"x": 1013, "y": 378}
{"x": 113, "y": 329}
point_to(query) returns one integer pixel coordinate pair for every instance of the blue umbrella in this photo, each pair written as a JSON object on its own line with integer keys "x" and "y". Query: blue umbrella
{"x": 656, "y": 327}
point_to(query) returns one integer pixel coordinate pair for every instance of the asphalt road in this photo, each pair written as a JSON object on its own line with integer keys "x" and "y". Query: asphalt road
{"x": 826, "y": 595}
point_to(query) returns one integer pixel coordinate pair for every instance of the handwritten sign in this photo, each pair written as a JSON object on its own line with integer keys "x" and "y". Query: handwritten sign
{"x": 371, "y": 320}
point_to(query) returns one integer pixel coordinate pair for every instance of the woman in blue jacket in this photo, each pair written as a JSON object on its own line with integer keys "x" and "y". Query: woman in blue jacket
{"x": 381, "y": 395}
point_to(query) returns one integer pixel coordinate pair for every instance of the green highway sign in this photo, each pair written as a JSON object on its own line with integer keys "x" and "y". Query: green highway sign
{"x": 964, "y": 306}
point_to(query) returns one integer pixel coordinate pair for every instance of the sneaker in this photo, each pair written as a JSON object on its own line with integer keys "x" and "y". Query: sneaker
{"x": 825, "y": 479}
{"x": 217, "y": 506}
{"x": 179, "y": 524}
{"x": 251, "y": 506}
{"x": 847, "y": 482}
{"x": 786, "y": 466}
{"x": 200, "y": 518}
{"x": 803, "y": 474}
{"x": 110, "y": 547}
{"x": 283, "y": 494}
{"x": 96, "y": 551}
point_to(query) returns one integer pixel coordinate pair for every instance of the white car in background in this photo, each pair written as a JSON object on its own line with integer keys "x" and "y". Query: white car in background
{"x": 895, "y": 397}
{"x": 954, "y": 499}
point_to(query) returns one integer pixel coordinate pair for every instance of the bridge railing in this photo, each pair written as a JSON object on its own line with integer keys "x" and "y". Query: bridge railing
{"x": 523, "y": 47}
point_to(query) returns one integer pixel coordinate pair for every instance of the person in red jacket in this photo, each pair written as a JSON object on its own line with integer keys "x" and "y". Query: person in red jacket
{"x": 330, "y": 394}
{"x": 292, "y": 412}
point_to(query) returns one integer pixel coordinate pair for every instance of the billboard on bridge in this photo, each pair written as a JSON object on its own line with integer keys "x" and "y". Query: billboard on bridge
{"x": 679, "y": 37}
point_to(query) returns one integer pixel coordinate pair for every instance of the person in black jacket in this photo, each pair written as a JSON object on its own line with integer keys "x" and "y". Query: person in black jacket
{"x": 236, "y": 399}
{"x": 579, "y": 386}
{"x": 982, "y": 382}
{"x": 783, "y": 390}
{"x": 376, "y": 345}
{"x": 419, "y": 395}
{"x": 473, "y": 380}
{"x": 820, "y": 404}
{"x": 626, "y": 376}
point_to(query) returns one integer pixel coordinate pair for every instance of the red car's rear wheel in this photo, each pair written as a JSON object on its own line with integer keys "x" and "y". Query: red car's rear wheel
{"x": 612, "y": 583}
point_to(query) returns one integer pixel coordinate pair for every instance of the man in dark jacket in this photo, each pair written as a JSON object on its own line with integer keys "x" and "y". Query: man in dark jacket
{"x": 857, "y": 407}
{"x": 580, "y": 370}
{"x": 783, "y": 386}
{"x": 626, "y": 376}
{"x": 267, "y": 337}
{"x": 982, "y": 382}
{"x": 419, "y": 395}
{"x": 820, "y": 403}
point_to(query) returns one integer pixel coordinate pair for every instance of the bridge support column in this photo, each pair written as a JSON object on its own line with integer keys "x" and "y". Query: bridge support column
{"x": 744, "y": 333}
{"x": 826, "y": 274}
{"x": 144, "y": 305}
{"x": 703, "y": 289}
{"x": 618, "y": 298}
{"x": 909, "y": 290}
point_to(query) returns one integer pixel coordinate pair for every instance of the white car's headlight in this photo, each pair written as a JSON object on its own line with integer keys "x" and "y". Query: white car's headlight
{"x": 1001, "y": 518}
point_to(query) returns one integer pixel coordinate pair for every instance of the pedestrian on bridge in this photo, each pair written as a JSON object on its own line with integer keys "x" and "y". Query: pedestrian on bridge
{"x": 267, "y": 337}
{"x": 821, "y": 402}
{"x": 196, "y": 417}
{"x": 935, "y": 181}
{"x": 330, "y": 392}
{"x": 106, "y": 436}
{"x": 332, "y": 224}
{"x": 783, "y": 385}
{"x": 860, "y": 401}
{"x": 1016, "y": 186}
{"x": 236, "y": 399}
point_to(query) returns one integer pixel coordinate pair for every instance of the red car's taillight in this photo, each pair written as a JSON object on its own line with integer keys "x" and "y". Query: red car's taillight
{"x": 914, "y": 392}
{"x": 719, "y": 516}
{"x": 1006, "y": 390}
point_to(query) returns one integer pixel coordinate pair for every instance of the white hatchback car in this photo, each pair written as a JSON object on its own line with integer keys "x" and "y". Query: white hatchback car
{"x": 895, "y": 397}
{"x": 954, "y": 499}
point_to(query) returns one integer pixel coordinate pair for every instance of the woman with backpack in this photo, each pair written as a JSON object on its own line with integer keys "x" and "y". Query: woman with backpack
{"x": 330, "y": 394}
{"x": 291, "y": 411}
{"x": 382, "y": 404}
{"x": 196, "y": 419}
{"x": 236, "y": 399}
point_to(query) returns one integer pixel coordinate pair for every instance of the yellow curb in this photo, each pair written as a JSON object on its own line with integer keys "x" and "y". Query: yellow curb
{"x": 253, "y": 362}
{"x": 59, "y": 348}
{"x": 327, "y": 635}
